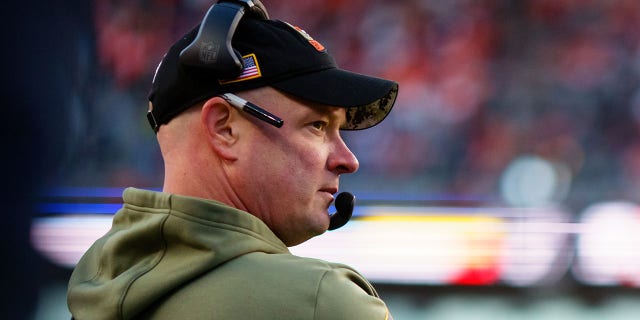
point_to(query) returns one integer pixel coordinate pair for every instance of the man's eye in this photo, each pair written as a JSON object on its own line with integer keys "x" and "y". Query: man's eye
{"x": 320, "y": 125}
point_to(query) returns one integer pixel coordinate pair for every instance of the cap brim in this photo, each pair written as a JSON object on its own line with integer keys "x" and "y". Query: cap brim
{"x": 368, "y": 100}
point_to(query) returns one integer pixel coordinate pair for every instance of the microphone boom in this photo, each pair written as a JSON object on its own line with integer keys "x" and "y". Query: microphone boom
{"x": 345, "y": 202}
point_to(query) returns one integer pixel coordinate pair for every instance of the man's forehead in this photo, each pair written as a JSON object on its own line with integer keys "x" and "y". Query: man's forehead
{"x": 311, "y": 109}
{"x": 330, "y": 111}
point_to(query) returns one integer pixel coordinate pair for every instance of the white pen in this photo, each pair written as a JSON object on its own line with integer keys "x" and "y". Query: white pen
{"x": 254, "y": 110}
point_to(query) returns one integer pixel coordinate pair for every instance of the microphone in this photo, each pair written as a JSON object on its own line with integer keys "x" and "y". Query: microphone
{"x": 344, "y": 205}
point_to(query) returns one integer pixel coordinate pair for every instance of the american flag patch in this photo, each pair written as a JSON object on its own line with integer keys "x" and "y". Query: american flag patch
{"x": 251, "y": 70}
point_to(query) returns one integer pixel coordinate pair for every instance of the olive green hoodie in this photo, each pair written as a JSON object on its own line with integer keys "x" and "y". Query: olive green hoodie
{"x": 176, "y": 257}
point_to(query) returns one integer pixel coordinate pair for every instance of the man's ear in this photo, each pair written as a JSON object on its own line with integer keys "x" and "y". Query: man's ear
{"x": 217, "y": 118}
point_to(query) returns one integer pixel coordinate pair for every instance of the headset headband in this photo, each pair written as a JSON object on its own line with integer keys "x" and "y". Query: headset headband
{"x": 212, "y": 49}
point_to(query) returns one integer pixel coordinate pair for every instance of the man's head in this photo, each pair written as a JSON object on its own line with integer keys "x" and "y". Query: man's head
{"x": 274, "y": 54}
{"x": 285, "y": 176}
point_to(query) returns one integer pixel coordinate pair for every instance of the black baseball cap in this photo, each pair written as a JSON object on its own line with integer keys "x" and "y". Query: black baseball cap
{"x": 275, "y": 54}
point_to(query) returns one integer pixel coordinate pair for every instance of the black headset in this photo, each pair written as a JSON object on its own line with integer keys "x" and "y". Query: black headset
{"x": 211, "y": 49}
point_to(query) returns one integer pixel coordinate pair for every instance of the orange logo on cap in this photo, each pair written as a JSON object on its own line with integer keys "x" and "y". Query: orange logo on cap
{"x": 312, "y": 41}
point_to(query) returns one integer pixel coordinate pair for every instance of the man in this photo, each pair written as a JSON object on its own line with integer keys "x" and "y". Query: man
{"x": 251, "y": 166}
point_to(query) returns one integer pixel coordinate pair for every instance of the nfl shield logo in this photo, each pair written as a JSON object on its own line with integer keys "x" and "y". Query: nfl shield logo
{"x": 209, "y": 52}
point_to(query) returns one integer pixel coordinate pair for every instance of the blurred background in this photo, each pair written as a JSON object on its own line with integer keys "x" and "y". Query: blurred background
{"x": 504, "y": 185}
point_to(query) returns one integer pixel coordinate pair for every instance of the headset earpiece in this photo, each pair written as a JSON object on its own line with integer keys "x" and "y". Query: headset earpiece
{"x": 212, "y": 49}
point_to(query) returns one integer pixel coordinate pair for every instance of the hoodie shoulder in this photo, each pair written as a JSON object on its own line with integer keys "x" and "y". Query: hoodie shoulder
{"x": 276, "y": 286}
{"x": 159, "y": 243}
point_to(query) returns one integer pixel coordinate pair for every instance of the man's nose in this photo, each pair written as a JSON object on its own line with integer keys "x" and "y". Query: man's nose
{"x": 342, "y": 160}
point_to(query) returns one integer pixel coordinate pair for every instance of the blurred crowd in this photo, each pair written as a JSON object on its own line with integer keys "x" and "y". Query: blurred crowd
{"x": 482, "y": 83}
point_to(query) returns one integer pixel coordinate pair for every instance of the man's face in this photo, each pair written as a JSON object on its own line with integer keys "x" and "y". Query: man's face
{"x": 289, "y": 175}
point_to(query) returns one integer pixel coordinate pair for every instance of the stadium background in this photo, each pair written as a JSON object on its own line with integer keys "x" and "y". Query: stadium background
{"x": 503, "y": 186}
